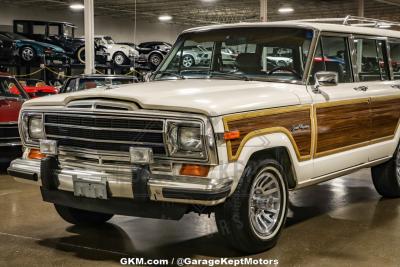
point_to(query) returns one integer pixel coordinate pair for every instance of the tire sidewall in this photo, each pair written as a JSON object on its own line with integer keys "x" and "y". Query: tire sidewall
{"x": 79, "y": 54}
{"x": 238, "y": 208}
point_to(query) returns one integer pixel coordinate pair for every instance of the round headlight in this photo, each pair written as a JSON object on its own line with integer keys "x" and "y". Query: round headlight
{"x": 190, "y": 139}
{"x": 35, "y": 128}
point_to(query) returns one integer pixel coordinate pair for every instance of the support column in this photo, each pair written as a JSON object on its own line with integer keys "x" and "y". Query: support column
{"x": 361, "y": 8}
{"x": 89, "y": 37}
{"x": 263, "y": 10}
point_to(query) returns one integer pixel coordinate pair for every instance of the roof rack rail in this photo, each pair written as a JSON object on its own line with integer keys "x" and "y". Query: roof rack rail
{"x": 355, "y": 21}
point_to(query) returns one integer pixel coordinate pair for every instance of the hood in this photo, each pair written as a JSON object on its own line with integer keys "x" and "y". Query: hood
{"x": 211, "y": 97}
{"x": 54, "y": 47}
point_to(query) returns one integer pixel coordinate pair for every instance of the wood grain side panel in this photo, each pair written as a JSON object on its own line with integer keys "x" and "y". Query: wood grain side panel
{"x": 385, "y": 114}
{"x": 275, "y": 120}
{"x": 342, "y": 126}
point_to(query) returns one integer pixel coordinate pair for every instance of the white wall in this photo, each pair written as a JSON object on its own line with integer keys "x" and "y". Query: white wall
{"x": 121, "y": 29}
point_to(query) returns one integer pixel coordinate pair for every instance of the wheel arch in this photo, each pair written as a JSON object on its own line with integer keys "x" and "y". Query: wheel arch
{"x": 281, "y": 155}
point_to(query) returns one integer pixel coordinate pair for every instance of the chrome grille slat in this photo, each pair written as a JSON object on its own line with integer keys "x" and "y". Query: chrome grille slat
{"x": 105, "y": 133}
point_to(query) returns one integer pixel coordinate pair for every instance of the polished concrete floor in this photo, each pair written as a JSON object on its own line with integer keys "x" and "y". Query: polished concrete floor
{"x": 343, "y": 222}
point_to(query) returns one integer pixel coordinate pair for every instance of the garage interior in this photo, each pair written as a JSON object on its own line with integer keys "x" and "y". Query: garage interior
{"x": 340, "y": 222}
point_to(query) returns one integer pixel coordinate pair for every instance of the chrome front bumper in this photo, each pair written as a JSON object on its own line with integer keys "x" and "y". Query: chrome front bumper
{"x": 157, "y": 187}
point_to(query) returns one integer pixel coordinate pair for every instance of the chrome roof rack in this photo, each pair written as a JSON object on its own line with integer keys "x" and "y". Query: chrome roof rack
{"x": 356, "y": 21}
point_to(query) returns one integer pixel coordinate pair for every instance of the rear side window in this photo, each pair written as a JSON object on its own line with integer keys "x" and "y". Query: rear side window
{"x": 39, "y": 29}
{"x": 21, "y": 27}
{"x": 395, "y": 56}
{"x": 371, "y": 62}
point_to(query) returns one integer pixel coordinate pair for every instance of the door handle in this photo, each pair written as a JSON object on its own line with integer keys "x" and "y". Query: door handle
{"x": 361, "y": 88}
{"x": 396, "y": 86}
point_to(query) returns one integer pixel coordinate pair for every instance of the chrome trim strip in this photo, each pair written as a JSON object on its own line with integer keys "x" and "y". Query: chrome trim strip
{"x": 106, "y": 141}
{"x": 10, "y": 144}
{"x": 102, "y": 128}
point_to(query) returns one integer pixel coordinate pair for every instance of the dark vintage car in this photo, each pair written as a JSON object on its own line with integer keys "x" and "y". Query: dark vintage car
{"x": 14, "y": 45}
{"x": 60, "y": 34}
{"x": 151, "y": 52}
{"x": 10, "y": 105}
{"x": 84, "y": 82}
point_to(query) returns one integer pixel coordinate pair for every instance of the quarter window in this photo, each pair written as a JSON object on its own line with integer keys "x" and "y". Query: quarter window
{"x": 370, "y": 60}
{"x": 395, "y": 56}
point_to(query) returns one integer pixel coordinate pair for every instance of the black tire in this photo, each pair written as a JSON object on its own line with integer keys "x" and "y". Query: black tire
{"x": 119, "y": 58}
{"x": 27, "y": 54}
{"x": 386, "y": 176}
{"x": 82, "y": 217}
{"x": 155, "y": 59}
{"x": 233, "y": 217}
{"x": 80, "y": 55}
{"x": 188, "y": 61}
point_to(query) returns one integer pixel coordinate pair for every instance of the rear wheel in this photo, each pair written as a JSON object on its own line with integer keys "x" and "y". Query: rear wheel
{"x": 386, "y": 176}
{"x": 252, "y": 218}
{"x": 80, "y": 55}
{"x": 81, "y": 217}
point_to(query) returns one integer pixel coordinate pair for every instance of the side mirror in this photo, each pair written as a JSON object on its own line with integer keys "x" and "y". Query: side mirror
{"x": 326, "y": 78}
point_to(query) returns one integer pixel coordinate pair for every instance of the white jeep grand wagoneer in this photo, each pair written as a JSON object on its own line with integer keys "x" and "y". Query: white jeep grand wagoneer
{"x": 297, "y": 103}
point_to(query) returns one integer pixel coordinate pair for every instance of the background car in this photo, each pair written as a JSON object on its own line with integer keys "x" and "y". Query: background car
{"x": 37, "y": 88}
{"x": 153, "y": 52}
{"x": 61, "y": 34}
{"x": 7, "y": 48}
{"x": 84, "y": 82}
{"x": 10, "y": 105}
{"x": 119, "y": 54}
{"x": 30, "y": 50}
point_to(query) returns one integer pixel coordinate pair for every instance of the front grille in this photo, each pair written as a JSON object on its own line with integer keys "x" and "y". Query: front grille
{"x": 9, "y": 132}
{"x": 105, "y": 133}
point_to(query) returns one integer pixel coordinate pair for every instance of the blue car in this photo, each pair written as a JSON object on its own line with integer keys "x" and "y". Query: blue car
{"x": 30, "y": 51}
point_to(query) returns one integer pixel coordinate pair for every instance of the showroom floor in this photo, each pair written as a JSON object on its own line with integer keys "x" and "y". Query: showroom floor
{"x": 342, "y": 222}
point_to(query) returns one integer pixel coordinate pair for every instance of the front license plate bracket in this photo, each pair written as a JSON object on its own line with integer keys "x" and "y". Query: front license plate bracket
{"x": 90, "y": 188}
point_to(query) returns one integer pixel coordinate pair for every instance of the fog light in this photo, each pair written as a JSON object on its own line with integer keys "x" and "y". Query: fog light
{"x": 48, "y": 147}
{"x": 141, "y": 155}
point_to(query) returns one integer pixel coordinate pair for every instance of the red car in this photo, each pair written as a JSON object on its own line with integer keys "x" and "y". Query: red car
{"x": 35, "y": 88}
{"x": 10, "y": 105}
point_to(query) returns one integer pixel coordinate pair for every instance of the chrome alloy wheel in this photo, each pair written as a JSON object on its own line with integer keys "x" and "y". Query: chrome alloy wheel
{"x": 27, "y": 54}
{"x": 119, "y": 59}
{"x": 267, "y": 202}
{"x": 187, "y": 61}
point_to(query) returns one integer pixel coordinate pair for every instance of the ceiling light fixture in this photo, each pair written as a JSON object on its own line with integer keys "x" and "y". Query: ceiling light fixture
{"x": 285, "y": 10}
{"x": 76, "y": 6}
{"x": 164, "y": 18}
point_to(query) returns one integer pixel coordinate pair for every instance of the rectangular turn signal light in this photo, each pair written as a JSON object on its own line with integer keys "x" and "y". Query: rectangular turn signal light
{"x": 194, "y": 170}
{"x": 35, "y": 154}
{"x": 232, "y": 135}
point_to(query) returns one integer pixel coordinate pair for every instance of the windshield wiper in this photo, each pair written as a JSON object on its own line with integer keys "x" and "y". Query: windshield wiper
{"x": 227, "y": 74}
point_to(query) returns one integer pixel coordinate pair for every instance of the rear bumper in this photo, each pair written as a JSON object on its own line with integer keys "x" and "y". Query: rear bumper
{"x": 141, "y": 185}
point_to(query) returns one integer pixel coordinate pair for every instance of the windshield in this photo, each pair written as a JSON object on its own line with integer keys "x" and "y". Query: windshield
{"x": 9, "y": 87}
{"x": 109, "y": 40}
{"x": 14, "y": 36}
{"x": 68, "y": 31}
{"x": 244, "y": 53}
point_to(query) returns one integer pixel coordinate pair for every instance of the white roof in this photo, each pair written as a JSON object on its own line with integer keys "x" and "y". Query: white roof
{"x": 327, "y": 27}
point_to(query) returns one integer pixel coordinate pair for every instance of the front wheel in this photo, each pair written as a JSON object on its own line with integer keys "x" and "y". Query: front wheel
{"x": 252, "y": 218}
{"x": 386, "y": 176}
{"x": 119, "y": 58}
{"x": 155, "y": 59}
{"x": 27, "y": 54}
{"x": 188, "y": 61}
{"x": 82, "y": 217}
